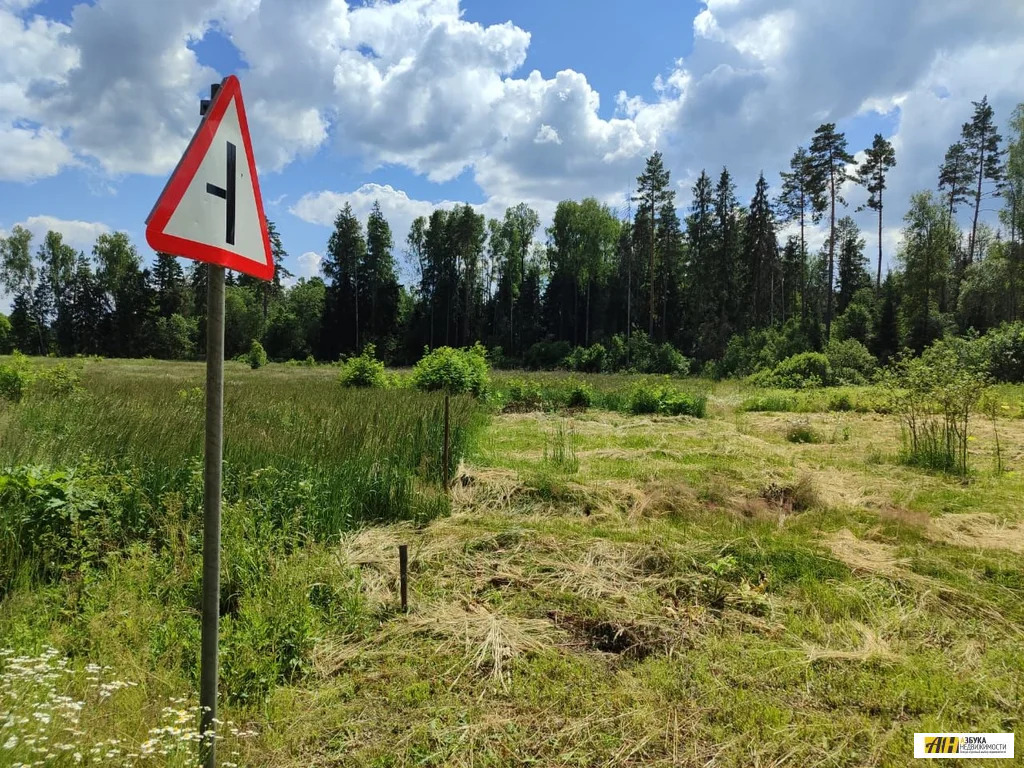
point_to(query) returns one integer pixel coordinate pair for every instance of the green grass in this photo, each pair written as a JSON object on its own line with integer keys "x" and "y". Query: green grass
{"x": 608, "y": 589}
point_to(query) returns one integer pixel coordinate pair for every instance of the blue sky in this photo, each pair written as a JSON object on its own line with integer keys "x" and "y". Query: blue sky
{"x": 422, "y": 102}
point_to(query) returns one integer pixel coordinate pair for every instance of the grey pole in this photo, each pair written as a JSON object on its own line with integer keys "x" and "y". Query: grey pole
{"x": 211, "y": 509}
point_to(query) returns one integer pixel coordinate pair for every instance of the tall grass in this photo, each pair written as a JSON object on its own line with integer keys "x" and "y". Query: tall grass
{"x": 298, "y": 446}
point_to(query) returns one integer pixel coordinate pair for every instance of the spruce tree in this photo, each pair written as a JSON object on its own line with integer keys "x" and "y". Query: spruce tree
{"x": 652, "y": 194}
{"x": 761, "y": 258}
{"x": 346, "y": 251}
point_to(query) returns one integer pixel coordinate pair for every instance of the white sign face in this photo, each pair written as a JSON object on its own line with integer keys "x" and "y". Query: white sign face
{"x": 219, "y": 205}
{"x": 211, "y": 208}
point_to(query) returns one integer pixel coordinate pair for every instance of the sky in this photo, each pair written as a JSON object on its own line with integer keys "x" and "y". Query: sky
{"x": 419, "y": 103}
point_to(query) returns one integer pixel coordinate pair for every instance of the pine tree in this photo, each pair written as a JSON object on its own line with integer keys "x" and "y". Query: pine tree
{"x": 880, "y": 158}
{"x": 981, "y": 142}
{"x": 828, "y": 160}
{"x": 700, "y": 235}
{"x": 886, "y": 341}
{"x": 795, "y": 202}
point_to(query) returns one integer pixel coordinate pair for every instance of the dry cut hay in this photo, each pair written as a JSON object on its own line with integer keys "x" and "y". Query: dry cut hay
{"x": 868, "y": 557}
{"x": 978, "y": 530}
{"x": 484, "y": 640}
{"x": 872, "y": 648}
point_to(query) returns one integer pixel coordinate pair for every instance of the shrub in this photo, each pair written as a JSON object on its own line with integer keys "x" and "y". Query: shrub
{"x": 13, "y": 381}
{"x": 802, "y": 432}
{"x": 772, "y": 402}
{"x": 647, "y": 399}
{"x": 580, "y": 394}
{"x": 840, "y": 402}
{"x": 523, "y": 395}
{"x": 851, "y": 362}
{"x": 545, "y": 355}
{"x": 1004, "y": 352}
{"x": 453, "y": 370}
{"x": 58, "y": 381}
{"x": 592, "y": 359}
{"x": 668, "y": 359}
{"x": 364, "y": 371}
{"x": 644, "y": 399}
{"x": 807, "y": 369}
{"x": 256, "y": 357}
{"x": 934, "y": 396}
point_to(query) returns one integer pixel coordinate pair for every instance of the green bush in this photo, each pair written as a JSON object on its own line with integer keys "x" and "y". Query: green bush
{"x": 668, "y": 359}
{"x": 1003, "y": 348}
{"x": 804, "y": 370}
{"x": 771, "y": 402}
{"x": 802, "y": 432}
{"x": 58, "y": 381}
{"x": 850, "y": 361}
{"x": 648, "y": 399}
{"x": 453, "y": 370}
{"x": 522, "y": 395}
{"x": 580, "y": 394}
{"x": 364, "y": 371}
{"x": 13, "y": 381}
{"x": 256, "y": 357}
{"x": 592, "y": 359}
{"x": 546, "y": 355}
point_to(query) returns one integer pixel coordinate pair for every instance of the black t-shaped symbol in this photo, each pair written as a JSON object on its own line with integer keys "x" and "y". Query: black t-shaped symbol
{"x": 228, "y": 195}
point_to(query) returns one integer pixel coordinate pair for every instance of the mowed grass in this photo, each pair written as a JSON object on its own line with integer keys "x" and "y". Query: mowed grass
{"x": 607, "y": 590}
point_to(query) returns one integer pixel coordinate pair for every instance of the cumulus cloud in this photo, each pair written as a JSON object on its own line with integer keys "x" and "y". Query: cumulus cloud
{"x": 397, "y": 206}
{"x": 80, "y": 235}
{"x": 414, "y": 83}
{"x": 308, "y": 264}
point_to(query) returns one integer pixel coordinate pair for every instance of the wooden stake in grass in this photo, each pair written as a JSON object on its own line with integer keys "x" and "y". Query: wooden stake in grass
{"x": 403, "y": 575}
{"x": 446, "y": 455}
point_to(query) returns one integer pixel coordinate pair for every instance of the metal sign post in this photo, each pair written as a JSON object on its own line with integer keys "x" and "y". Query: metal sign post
{"x": 213, "y": 457}
{"x": 211, "y": 210}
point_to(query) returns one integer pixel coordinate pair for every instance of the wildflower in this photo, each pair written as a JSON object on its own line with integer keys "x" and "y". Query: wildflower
{"x": 11, "y": 743}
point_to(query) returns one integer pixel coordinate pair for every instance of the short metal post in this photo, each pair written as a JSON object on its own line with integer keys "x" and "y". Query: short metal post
{"x": 403, "y": 575}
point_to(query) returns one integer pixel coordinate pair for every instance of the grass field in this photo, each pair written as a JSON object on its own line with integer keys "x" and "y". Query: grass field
{"x": 604, "y": 590}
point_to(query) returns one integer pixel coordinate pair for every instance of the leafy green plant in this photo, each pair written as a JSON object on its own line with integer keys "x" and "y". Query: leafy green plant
{"x": 13, "y": 383}
{"x": 648, "y": 398}
{"x": 364, "y": 371}
{"x": 256, "y": 357}
{"x": 592, "y": 359}
{"x": 850, "y": 362}
{"x": 934, "y": 396}
{"x": 58, "y": 381}
{"x": 580, "y": 394}
{"x": 801, "y": 431}
{"x": 805, "y": 370}
{"x": 453, "y": 370}
{"x": 522, "y": 395}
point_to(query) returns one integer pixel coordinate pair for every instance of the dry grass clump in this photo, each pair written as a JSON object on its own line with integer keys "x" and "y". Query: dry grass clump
{"x": 978, "y": 530}
{"x": 868, "y": 557}
{"x": 872, "y": 648}
{"x": 482, "y": 639}
{"x": 797, "y": 496}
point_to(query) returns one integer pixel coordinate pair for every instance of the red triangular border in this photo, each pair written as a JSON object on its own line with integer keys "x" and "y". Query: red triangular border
{"x": 182, "y": 176}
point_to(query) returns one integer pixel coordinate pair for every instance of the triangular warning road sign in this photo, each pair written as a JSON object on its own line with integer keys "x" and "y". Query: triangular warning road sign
{"x": 211, "y": 209}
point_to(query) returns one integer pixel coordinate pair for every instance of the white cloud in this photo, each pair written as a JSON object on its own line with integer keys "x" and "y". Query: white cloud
{"x": 80, "y": 235}
{"x": 308, "y": 264}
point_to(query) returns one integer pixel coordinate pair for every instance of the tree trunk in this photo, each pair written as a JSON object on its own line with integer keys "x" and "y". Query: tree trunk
{"x": 878, "y": 277}
{"x": 831, "y": 259}
{"x": 977, "y": 201}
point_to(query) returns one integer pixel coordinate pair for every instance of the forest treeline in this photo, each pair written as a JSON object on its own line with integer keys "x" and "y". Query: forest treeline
{"x": 718, "y": 279}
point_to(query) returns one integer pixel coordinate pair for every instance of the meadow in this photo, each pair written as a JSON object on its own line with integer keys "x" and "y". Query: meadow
{"x": 759, "y": 581}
